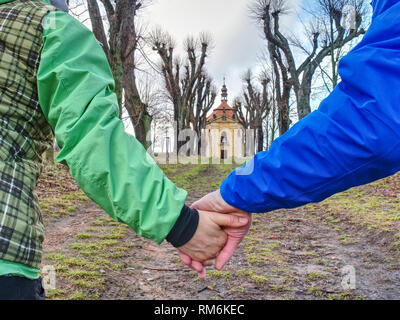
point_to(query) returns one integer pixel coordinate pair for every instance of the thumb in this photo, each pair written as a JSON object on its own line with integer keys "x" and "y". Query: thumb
{"x": 228, "y": 220}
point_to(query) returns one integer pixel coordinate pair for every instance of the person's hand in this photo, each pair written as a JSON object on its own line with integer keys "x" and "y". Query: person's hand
{"x": 214, "y": 202}
{"x": 209, "y": 237}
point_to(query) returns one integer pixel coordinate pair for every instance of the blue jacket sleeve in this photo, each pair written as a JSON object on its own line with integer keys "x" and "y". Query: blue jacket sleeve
{"x": 352, "y": 139}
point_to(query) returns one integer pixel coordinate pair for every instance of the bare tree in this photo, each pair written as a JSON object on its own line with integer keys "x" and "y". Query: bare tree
{"x": 189, "y": 88}
{"x": 120, "y": 47}
{"x": 270, "y": 125}
{"x": 49, "y": 155}
{"x": 325, "y": 38}
{"x": 270, "y": 122}
{"x": 256, "y": 103}
{"x": 202, "y": 103}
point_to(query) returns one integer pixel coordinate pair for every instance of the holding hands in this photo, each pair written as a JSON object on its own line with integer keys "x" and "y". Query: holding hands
{"x": 220, "y": 231}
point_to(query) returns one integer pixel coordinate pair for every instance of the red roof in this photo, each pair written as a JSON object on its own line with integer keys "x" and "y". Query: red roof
{"x": 219, "y": 112}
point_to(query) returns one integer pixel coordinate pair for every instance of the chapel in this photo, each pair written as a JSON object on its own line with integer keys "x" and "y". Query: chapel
{"x": 224, "y": 132}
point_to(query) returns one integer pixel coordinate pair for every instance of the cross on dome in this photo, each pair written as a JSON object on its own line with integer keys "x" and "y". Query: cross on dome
{"x": 224, "y": 94}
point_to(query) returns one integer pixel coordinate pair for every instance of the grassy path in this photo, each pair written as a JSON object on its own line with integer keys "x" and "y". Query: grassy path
{"x": 289, "y": 254}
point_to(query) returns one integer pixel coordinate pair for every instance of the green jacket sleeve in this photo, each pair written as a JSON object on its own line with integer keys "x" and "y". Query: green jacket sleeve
{"x": 76, "y": 93}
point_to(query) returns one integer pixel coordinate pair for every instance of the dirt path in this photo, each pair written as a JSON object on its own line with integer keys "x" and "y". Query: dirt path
{"x": 289, "y": 254}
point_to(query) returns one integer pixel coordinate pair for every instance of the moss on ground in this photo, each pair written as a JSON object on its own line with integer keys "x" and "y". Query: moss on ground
{"x": 92, "y": 256}
{"x": 58, "y": 193}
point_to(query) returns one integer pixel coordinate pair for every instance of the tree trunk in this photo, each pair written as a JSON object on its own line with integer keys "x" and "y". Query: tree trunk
{"x": 283, "y": 111}
{"x": 112, "y": 56}
{"x": 142, "y": 127}
{"x": 120, "y": 51}
{"x": 49, "y": 155}
{"x": 303, "y": 98}
{"x": 97, "y": 26}
{"x": 303, "y": 95}
{"x": 283, "y": 121}
{"x": 137, "y": 110}
{"x": 273, "y": 125}
{"x": 116, "y": 69}
{"x": 260, "y": 139}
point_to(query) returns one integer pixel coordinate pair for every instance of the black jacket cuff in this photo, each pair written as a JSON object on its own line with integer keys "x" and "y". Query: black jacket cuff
{"x": 184, "y": 228}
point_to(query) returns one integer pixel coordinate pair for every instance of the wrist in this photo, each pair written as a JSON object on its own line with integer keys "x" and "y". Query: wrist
{"x": 185, "y": 227}
{"x": 222, "y": 204}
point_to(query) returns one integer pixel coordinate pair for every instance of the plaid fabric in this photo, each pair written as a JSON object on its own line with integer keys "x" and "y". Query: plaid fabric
{"x": 24, "y": 131}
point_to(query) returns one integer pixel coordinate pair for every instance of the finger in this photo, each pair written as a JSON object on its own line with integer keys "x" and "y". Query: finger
{"x": 229, "y": 220}
{"x": 226, "y": 253}
{"x": 208, "y": 263}
{"x": 185, "y": 258}
{"x": 202, "y": 274}
{"x": 197, "y": 266}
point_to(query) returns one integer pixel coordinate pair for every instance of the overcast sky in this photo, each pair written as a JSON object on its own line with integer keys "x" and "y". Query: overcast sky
{"x": 237, "y": 39}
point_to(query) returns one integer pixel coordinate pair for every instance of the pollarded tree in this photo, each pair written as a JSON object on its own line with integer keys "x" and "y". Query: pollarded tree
{"x": 254, "y": 106}
{"x": 189, "y": 88}
{"x": 327, "y": 32}
{"x": 120, "y": 45}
